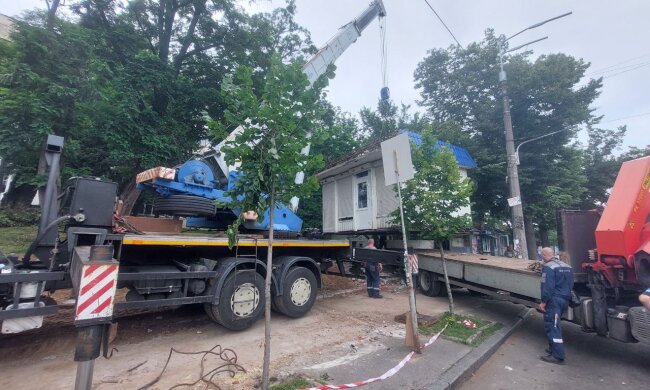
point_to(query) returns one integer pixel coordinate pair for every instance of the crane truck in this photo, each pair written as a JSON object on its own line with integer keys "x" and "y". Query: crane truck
{"x": 609, "y": 252}
{"x": 76, "y": 246}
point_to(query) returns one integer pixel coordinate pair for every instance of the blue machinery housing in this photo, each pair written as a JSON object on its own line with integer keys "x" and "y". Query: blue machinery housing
{"x": 196, "y": 178}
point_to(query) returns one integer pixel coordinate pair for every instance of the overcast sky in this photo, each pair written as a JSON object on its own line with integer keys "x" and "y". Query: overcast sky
{"x": 612, "y": 36}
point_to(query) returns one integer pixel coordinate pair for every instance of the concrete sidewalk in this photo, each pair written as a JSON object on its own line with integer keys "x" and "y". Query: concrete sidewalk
{"x": 441, "y": 365}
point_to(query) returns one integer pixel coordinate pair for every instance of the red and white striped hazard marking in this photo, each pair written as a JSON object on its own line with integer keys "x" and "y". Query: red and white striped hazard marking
{"x": 96, "y": 292}
{"x": 385, "y": 375}
{"x": 413, "y": 262}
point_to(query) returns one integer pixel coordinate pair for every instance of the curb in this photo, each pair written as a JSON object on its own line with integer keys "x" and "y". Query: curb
{"x": 455, "y": 375}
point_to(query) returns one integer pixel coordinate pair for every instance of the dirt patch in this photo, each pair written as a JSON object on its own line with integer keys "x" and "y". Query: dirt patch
{"x": 333, "y": 282}
{"x": 423, "y": 319}
{"x": 336, "y": 324}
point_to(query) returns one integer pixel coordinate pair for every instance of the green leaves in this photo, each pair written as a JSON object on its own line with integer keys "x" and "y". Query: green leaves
{"x": 268, "y": 149}
{"x": 546, "y": 95}
{"x": 136, "y": 86}
{"x": 435, "y": 198}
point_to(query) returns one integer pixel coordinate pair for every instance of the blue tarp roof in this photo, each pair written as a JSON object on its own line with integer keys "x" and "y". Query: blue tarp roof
{"x": 463, "y": 157}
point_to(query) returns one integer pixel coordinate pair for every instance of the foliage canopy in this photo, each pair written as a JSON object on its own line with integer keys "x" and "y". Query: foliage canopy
{"x": 435, "y": 198}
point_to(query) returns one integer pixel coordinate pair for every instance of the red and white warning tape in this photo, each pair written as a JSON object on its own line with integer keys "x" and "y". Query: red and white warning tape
{"x": 385, "y": 375}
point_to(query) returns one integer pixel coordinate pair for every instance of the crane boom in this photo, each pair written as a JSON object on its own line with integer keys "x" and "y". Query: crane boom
{"x": 346, "y": 36}
{"x": 315, "y": 67}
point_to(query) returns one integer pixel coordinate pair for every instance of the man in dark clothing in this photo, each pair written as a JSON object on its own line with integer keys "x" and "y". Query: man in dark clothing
{"x": 373, "y": 268}
{"x": 557, "y": 283}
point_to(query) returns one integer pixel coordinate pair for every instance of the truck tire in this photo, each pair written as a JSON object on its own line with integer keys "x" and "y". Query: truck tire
{"x": 428, "y": 284}
{"x": 185, "y": 205}
{"x": 299, "y": 293}
{"x": 241, "y": 301}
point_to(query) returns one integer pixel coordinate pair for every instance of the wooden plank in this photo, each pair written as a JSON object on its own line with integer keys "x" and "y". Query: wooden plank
{"x": 155, "y": 173}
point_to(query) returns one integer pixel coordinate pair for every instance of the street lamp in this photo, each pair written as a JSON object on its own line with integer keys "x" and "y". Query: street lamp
{"x": 516, "y": 207}
{"x": 531, "y": 140}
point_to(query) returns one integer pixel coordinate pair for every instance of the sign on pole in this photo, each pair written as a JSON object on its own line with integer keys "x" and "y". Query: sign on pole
{"x": 396, "y": 155}
{"x": 514, "y": 201}
{"x": 398, "y": 167}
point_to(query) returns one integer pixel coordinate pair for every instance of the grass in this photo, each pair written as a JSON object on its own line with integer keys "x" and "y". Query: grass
{"x": 16, "y": 239}
{"x": 487, "y": 332}
{"x": 292, "y": 384}
{"x": 457, "y": 331}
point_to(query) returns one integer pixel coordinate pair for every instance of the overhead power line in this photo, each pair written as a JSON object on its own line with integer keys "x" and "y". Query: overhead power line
{"x": 616, "y": 65}
{"x": 618, "y": 69}
{"x": 627, "y": 70}
{"x": 627, "y": 117}
{"x": 443, "y": 23}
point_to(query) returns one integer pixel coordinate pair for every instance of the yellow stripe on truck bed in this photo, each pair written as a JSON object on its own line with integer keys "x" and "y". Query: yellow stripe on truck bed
{"x": 193, "y": 240}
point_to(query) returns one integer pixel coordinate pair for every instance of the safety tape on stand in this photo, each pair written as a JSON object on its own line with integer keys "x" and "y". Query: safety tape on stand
{"x": 385, "y": 375}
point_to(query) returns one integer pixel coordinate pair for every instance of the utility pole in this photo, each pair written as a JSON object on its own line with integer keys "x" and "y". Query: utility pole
{"x": 517, "y": 209}
{"x": 515, "y": 203}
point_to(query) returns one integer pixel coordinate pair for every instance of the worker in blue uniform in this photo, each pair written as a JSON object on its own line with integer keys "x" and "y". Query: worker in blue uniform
{"x": 557, "y": 283}
{"x": 373, "y": 269}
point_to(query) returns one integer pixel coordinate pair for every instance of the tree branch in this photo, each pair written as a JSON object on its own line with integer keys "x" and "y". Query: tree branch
{"x": 179, "y": 59}
{"x": 146, "y": 33}
{"x": 51, "y": 13}
{"x": 199, "y": 7}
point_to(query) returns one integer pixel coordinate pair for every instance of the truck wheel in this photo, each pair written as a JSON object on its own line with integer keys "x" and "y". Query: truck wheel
{"x": 241, "y": 301}
{"x": 299, "y": 293}
{"x": 428, "y": 285}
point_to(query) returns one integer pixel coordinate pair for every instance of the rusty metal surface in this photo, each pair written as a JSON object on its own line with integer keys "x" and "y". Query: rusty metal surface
{"x": 101, "y": 252}
{"x": 576, "y": 236}
{"x": 155, "y": 225}
{"x": 88, "y": 343}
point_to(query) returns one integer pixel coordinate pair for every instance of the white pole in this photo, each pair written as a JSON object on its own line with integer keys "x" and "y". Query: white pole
{"x": 409, "y": 275}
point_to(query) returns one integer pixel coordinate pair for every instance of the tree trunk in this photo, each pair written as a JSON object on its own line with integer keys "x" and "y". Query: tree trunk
{"x": 166, "y": 18}
{"x": 128, "y": 197}
{"x": 51, "y": 13}
{"x": 543, "y": 236}
{"x": 530, "y": 239}
{"x": 444, "y": 269}
{"x": 267, "y": 297}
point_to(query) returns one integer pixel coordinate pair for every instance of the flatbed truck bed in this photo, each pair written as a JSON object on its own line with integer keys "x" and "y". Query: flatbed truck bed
{"x": 220, "y": 240}
{"x": 502, "y": 277}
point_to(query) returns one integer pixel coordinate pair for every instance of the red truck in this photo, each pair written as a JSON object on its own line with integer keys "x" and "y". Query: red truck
{"x": 609, "y": 251}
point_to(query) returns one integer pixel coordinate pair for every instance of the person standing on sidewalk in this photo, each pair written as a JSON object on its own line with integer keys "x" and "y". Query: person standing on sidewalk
{"x": 373, "y": 268}
{"x": 557, "y": 283}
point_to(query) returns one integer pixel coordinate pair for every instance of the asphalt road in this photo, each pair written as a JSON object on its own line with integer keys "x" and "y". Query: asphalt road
{"x": 593, "y": 362}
